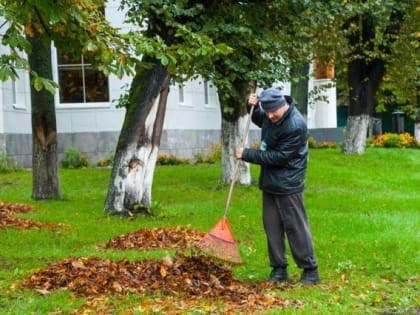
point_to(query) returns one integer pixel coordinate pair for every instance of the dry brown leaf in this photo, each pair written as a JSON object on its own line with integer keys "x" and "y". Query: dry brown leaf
{"x": 189, "y": 278}
{"x": 8, "y": 219}
{"x": 156, "y": 238}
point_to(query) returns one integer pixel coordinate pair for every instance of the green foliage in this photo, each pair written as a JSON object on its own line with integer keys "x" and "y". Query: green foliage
{"x": 7, "y": 69}
{"x": 76, "y": 28}
{"x": 312, "y": 142}
{"x": 172, "y": 38}
{"x": 395, "y": 140}
{"x": 108, "y": 161}
{"x": 263, "y": 50}
{"x": 241, "y": 41}
{"x": 366, "y": 241}
{"x": 393, "y": 39}
{"x": 215, "y": 153}
{"x": 74, "y": 159}
{"x": 7, "y": 163}
{"x": 157, "y": 209}
{"x": 199, "y": 158}
{"x": 322, "y": 144}
{"x": 170, "y": 159}
{"x": 400, "y": 84}
{"x": 213, "y": 157}
{"x": 123, "y": 100}
{"x": 40, "y": 83}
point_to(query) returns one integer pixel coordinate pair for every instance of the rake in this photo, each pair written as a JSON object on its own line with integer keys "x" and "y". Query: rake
{"x": 219, "y": 241}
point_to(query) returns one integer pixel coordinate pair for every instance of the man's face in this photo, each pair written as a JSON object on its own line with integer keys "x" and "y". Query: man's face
{"x": 277, "y": 114}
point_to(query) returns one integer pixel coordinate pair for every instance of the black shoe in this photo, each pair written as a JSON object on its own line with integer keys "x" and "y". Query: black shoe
{"x": 279, "y": 275}
{"x": 310, "y": 277}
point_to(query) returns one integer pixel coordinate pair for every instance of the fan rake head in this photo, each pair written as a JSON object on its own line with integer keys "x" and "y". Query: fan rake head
{"x": 219, "y": 242}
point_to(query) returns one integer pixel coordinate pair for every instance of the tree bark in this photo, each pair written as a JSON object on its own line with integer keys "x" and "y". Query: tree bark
{"x": 233, "y": 123}
{"x": 357, "y": 128}
{"x": 364, "y": 77}
{"x": 45, "y": 180}
{"x": 300, "y": 89}
{"x": 232, "y": 133}
{"x": 130, "y": 188}
{"x": 417, "y": 131}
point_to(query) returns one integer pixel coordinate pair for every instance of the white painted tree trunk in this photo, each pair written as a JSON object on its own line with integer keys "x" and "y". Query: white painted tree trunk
{"x": 356, "y": 133}
{"x": 130, "y": 188}
{"x": 133, "y": 182}
{"x": 232, "y": 134}
{"x": 417, "y": 130}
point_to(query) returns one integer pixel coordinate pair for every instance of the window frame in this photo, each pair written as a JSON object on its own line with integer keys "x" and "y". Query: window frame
{"x": 76, "y": 105}
{"x": 20, "y": 88}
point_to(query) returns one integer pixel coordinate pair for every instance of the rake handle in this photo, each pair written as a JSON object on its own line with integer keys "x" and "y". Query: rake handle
{"x": 236, "y": 168}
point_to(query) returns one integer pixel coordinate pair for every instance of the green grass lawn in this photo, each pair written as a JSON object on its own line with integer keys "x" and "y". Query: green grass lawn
{"x": 364, "y": 213}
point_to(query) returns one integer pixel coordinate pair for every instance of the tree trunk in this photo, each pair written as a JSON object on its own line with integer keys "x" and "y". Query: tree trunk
{"x": 232, "y": 133}
{"x": 300, "y": 89}
{"x": 357, "y": 128}
{"x": 364, "y": 77}
{"x": 417, "y": 118}
{"x": 45, "y": 181}
{"x": 233, "y": 124}
{"x": 130, "y": 188}
{"x": 417, "y": 131}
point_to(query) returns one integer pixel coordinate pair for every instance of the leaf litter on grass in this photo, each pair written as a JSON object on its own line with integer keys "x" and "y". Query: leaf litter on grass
{"x": 156, "y": 238}
{"x": 170, "y": 285}
{"x": 8, "y": 210}
{"x": 186, "y": 279}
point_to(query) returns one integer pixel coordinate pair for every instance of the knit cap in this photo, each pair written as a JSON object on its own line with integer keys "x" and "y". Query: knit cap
{"x": 271, "y": 99}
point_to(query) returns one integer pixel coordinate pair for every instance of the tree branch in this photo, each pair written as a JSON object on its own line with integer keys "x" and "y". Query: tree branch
{"x": 41, "y": 20}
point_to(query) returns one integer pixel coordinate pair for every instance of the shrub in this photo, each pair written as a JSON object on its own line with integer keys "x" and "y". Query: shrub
{"x": 213, "y": 157}
{"x": 215, "y": 153}
{"x": 199, "y": 158}
{"x": 323, "y": 144}
{"x": 312, "y": 142}
{"x": 74, "y": 159}
{"x": 327, "y": 144}
{"x": 395, "y": 140}
{"x": 102, "y": 162}
{"x": 170, "y": 159}
{"x": 7, "y": 163}
{"x": 107, "y": 161}
{"x": 255, "y": 145}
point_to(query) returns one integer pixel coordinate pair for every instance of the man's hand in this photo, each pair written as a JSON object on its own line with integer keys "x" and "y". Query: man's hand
{"x": 253, "y": 99}
{"x": 239, "y": 153}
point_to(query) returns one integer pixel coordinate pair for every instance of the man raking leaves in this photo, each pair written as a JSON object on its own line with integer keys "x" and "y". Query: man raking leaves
{"x": 283, "y": 158}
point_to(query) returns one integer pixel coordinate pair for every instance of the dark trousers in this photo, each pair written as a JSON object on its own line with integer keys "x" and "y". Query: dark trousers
{"x": 285, "y": 216}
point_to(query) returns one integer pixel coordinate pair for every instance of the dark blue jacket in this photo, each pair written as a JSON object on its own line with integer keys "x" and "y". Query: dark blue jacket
{"x": 283, "y": 162}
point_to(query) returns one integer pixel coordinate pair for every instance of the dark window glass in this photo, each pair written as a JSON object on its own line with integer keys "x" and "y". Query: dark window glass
{"x": 79, "y": 82}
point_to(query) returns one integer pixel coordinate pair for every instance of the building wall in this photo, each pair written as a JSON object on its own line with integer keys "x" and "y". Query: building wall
{"x": 190, "y": 127}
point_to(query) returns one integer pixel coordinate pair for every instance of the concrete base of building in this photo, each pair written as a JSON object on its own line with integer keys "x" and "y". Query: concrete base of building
{"x": 96, "y": 146}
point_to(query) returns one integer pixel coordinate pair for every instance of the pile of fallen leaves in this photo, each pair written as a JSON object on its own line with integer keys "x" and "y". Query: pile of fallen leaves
{"x": 169, "y": 286}
{"x": 156, "y": 238}
{"x": 187, "y": 278}
{"x": 8, "y": 218}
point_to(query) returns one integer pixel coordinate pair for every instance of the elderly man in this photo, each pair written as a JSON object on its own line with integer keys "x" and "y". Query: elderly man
{"x": 282, "y": 157}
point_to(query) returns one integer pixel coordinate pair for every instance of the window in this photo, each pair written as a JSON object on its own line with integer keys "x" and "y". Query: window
{"x": 206, "y": 92}
{"x": 20, "y": 90}
{"x": 181, "y": 93}
{"x": 79, "y": 82}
